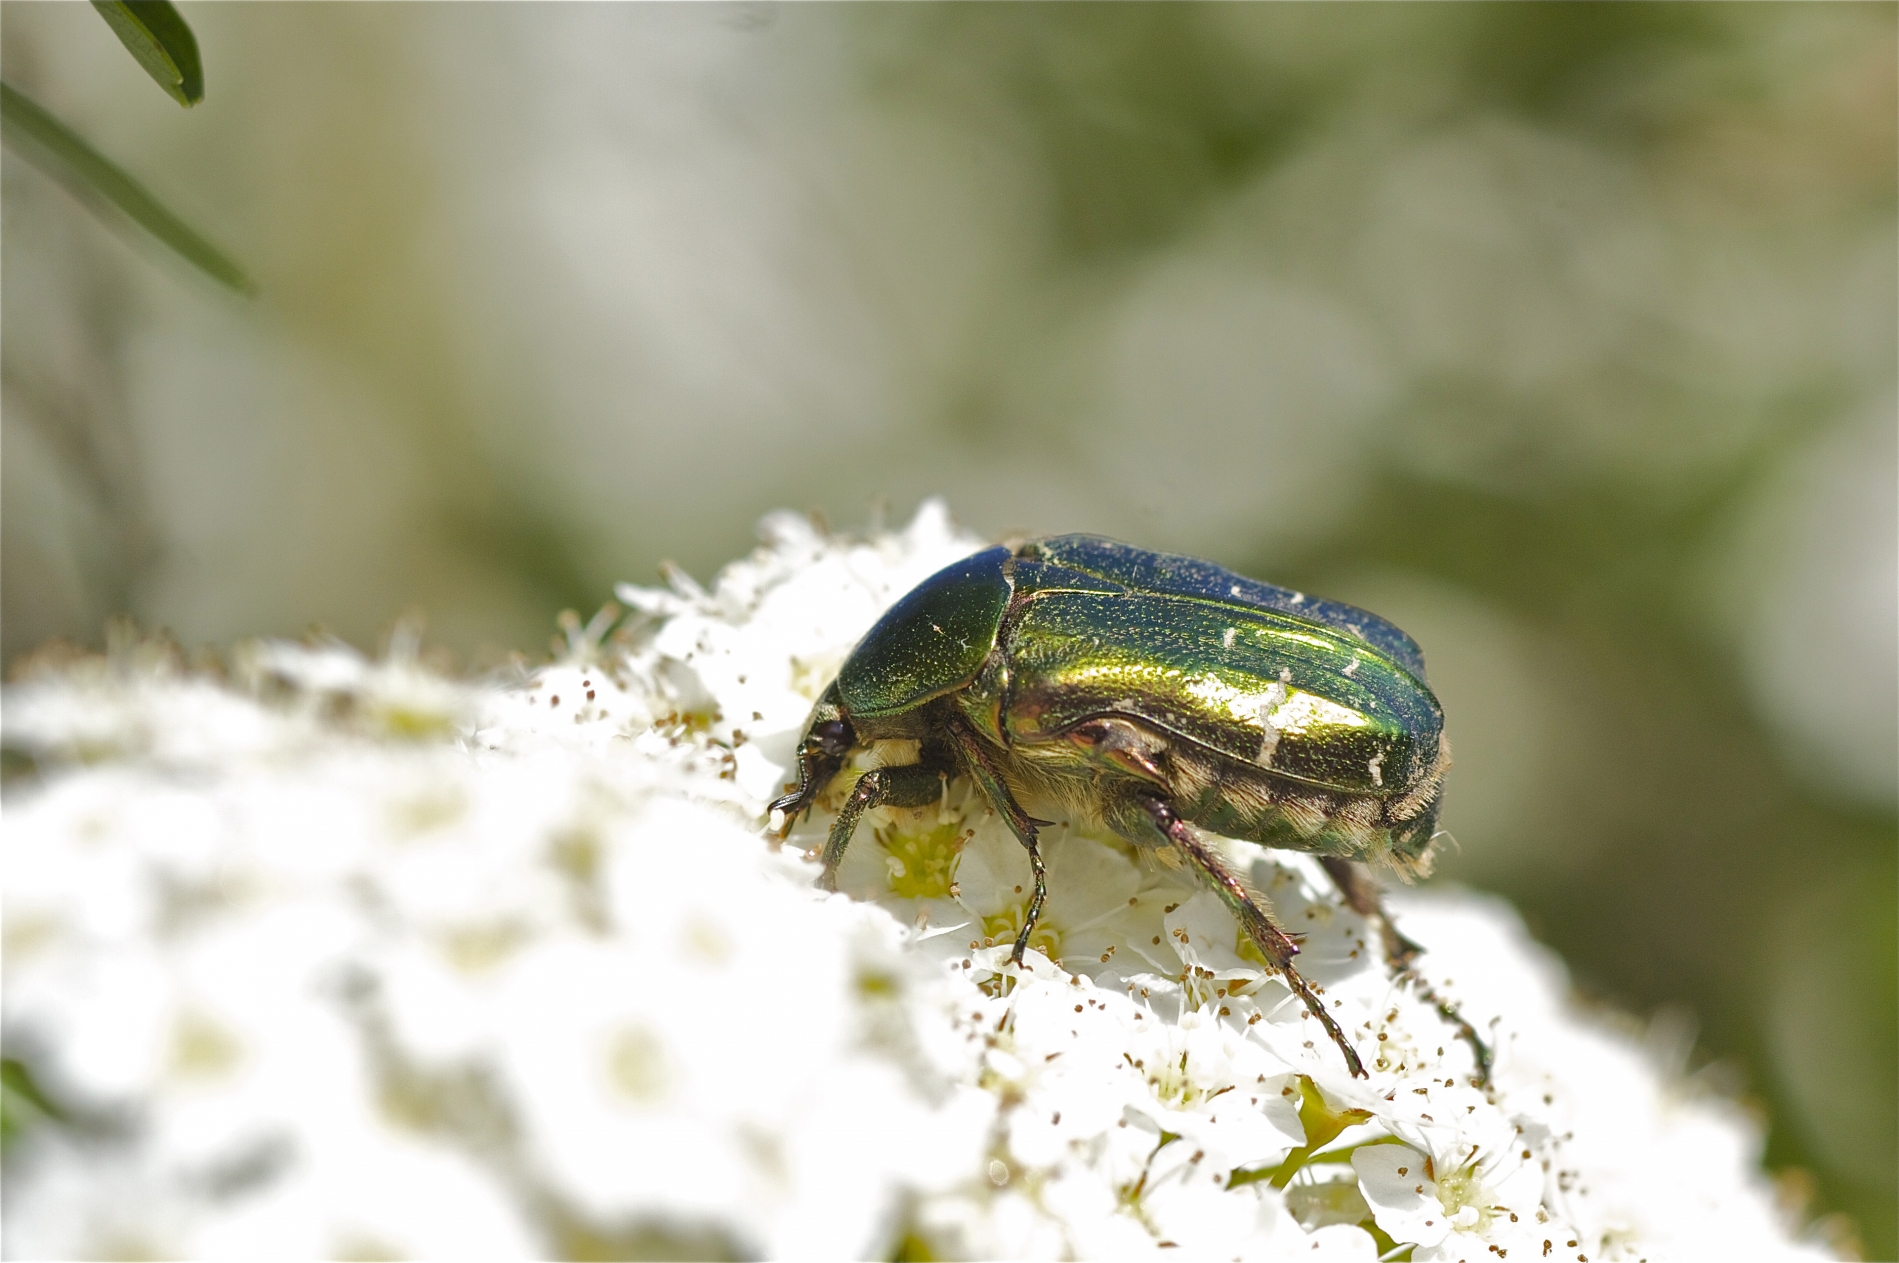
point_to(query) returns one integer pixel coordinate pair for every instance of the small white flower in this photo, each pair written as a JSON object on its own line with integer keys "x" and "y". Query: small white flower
{"x": 1449, "y": 1213}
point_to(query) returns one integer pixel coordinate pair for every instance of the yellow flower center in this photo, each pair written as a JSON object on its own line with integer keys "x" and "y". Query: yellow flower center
{"x": 922, "y": 860}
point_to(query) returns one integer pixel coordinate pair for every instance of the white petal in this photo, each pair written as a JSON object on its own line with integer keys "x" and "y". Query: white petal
{"x": 1403, "y": 1201}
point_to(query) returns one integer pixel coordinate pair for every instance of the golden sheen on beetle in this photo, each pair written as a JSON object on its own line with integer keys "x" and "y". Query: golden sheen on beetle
{"x": 1157, "y": 696}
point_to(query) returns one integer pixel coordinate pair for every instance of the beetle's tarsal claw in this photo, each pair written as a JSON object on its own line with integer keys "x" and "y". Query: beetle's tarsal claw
{"x": 1316, "y": 1007}
{"x": 1274, "y": 943}
{"x": 792, "y": 807}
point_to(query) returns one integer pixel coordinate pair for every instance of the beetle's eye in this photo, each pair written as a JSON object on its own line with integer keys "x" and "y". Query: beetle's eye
{"x": 833, "y": 736}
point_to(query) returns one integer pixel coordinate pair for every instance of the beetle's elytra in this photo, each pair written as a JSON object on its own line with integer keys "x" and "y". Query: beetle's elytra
{"x": 1154, "y": 695}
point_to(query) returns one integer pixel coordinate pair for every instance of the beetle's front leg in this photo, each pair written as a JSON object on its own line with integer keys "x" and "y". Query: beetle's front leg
{"x": 827, "y": 741}
{"x": 1277, "y": 945}
{"x": 911, "y": 786}
{"x": 982, "y": 769}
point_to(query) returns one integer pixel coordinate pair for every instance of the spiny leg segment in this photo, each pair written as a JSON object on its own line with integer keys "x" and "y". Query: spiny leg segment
{"x": 1362, "y": 895}
{"x": 911, "y": 786}
{"x": 1277, "y": 945}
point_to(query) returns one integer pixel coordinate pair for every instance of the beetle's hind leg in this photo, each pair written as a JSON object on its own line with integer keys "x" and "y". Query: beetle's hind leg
{"x": 912, "y": 786}
{"x": 1274, "y": 942}
{"x": 1361, "y": 893}
{"x": 1465, "y": 1031}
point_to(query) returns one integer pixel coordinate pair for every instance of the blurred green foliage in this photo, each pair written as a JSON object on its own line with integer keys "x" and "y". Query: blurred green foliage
{"x": 104, "y": 186}
{"x": 22, "y": 1104}
{"x": 160, "y": 40}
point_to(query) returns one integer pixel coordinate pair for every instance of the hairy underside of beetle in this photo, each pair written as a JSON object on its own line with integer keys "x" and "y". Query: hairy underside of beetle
{"x": 1126, "y": 762}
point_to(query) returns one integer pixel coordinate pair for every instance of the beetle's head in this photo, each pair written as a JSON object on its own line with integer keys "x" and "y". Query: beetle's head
{"x": 829, "y": 735}
{"x": 828, "y": 739}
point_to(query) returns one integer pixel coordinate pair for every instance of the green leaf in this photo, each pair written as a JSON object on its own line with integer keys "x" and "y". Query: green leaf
{"x": 1323, "y": 1125}
{"x": 55, "y": 149}
{"x": 21, "y": 1102}
{"x": 156, "y": 35}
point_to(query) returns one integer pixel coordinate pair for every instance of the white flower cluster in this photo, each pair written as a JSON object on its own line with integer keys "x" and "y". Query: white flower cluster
{"x": 340, "y": 958}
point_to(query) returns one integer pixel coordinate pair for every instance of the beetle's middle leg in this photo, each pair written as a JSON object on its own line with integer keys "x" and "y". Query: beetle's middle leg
{"x": 911, "y": 786}
{"x": 982, "y": 769}
{"x": 1274, "y": 942}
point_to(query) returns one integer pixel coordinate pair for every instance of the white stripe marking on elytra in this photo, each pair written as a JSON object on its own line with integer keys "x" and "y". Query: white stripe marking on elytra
{"x": 1274, "y": 699}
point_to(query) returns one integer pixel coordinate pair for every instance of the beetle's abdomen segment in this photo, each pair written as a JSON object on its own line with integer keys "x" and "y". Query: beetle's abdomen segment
{"x": 1292, "y": 697}
{"x": 932, "y": 641}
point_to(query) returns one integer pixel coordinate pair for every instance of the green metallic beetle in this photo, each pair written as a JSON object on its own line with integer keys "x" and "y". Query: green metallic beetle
{"x": 1149, "y": 693}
